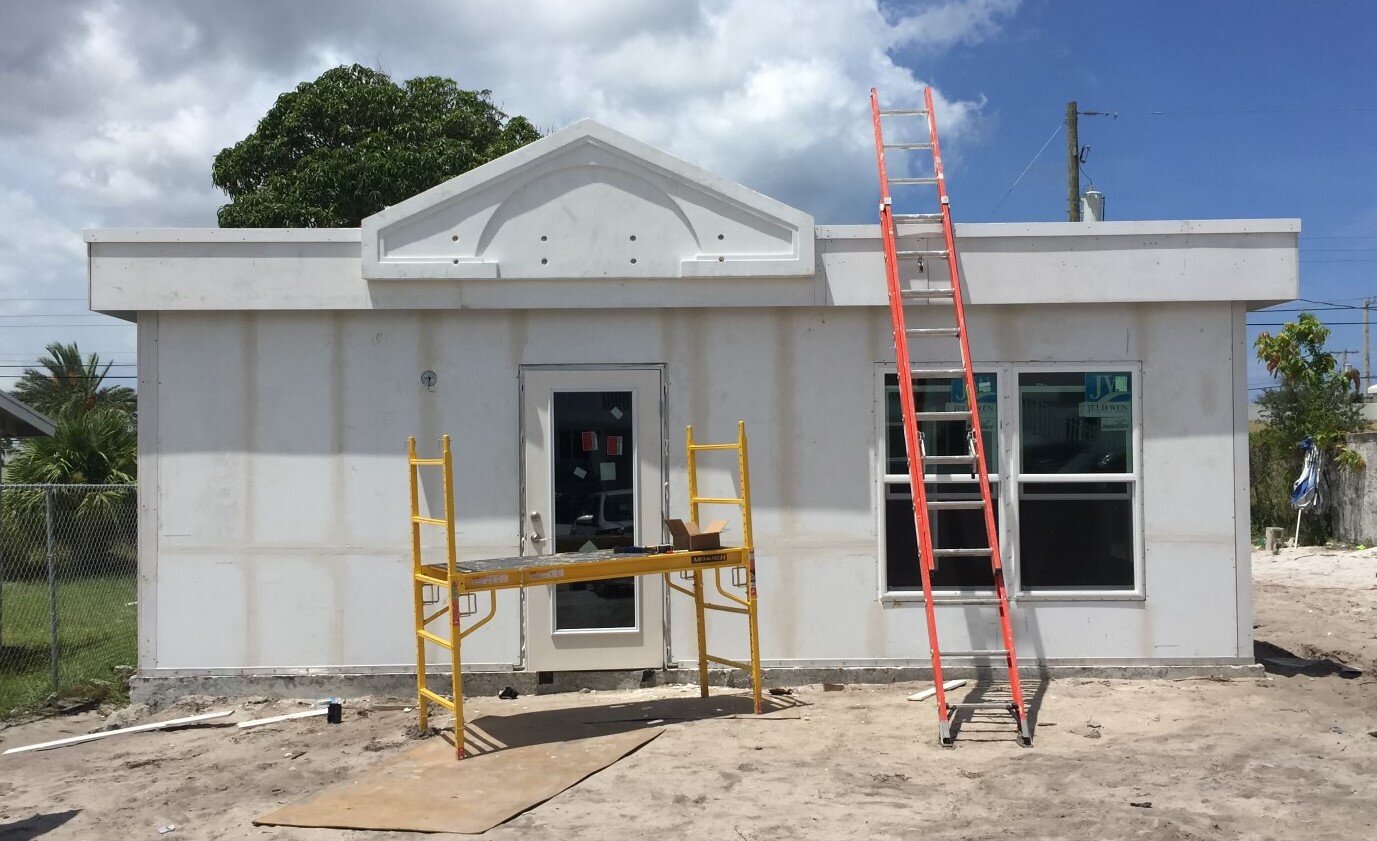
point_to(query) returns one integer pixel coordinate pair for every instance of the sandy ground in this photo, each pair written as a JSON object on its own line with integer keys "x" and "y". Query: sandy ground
{"x": 1318, "y": 602}
{"x": 1266, "y": 758}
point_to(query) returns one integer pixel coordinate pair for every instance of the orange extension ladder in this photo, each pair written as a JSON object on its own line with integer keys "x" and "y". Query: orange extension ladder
{"x": 900, "y": 297}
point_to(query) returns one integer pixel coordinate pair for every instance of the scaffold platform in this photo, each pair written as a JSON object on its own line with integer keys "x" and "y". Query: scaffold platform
{"x": 465, "y": 580}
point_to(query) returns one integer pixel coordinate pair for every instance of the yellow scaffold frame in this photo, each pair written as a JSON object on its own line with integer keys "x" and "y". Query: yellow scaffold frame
{"x": 464, "y": 580}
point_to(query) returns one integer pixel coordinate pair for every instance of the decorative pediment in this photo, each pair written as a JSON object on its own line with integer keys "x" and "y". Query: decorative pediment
{"x": 588, "y": 202}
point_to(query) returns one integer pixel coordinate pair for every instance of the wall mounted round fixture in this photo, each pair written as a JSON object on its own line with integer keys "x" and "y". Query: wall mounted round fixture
{"x": 455, "y": 238}
{"x": 543, "y": 237}
{"x": 544, "y": 260}
{"x": 719, "y": 236}
{"x": 633, "y": 237}
{"x": 429, "y": 379}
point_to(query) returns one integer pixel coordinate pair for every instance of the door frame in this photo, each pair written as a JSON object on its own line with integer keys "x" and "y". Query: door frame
{"x": 647, "y": 597}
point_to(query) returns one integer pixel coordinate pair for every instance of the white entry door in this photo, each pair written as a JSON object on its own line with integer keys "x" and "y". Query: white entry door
{"x": 593, "y": 477}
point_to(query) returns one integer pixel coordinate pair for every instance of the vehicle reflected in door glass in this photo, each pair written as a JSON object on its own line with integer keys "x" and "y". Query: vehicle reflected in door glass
{"x": 594, "y": 486}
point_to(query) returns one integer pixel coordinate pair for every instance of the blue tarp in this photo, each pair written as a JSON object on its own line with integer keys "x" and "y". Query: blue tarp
{"x": 1308, "y": 490}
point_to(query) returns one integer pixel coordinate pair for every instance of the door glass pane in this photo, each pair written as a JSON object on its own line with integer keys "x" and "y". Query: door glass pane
{"x": 1077, "y": 422}
{"x": 941, "y": 438}
{"x": 594, "y": 486}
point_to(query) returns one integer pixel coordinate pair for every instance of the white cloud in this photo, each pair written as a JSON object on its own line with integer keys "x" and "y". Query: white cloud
{"x": 116, "y": 107}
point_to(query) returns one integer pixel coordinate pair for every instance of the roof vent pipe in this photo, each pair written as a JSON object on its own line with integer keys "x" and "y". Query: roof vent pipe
{"x": 1092, "y": 206}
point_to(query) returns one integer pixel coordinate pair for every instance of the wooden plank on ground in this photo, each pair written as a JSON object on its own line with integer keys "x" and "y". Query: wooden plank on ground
{"x": 426, "y": 790}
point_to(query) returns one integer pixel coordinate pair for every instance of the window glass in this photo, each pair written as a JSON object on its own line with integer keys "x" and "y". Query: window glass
{"x": 1076, "y": 422}
{"x": 941, "y": 438}
{"x": 951, "y": 529}
{"x": 1076, "y": 536}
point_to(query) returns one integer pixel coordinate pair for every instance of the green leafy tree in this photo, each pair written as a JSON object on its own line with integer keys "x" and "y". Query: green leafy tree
{"x": 65, "y": 384}
{"x": 1313, "y": 398}
{"x": 352, "y": 142}
{"x": 96, "y": 448}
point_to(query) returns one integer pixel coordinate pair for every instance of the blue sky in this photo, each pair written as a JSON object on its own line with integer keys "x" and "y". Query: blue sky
{"x": 1227, "y": 109}
{"x": 1271, "y": 112}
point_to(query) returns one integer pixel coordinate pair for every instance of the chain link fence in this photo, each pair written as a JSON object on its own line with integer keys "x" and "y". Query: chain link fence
{"x": 68, "y": 592}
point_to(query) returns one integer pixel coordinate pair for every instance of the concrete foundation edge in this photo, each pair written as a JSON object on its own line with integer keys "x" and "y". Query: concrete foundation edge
{"x": 161, "y": 690}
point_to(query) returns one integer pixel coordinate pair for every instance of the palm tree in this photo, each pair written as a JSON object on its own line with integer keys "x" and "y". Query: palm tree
{"x": 66, "y": 385}
{"x": 89, "y": 448}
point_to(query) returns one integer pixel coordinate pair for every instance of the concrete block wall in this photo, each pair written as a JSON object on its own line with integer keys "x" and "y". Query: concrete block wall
{"x": 1353, "y": 494}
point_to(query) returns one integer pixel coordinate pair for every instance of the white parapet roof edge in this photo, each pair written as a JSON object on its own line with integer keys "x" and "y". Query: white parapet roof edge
{"x": 246, "y": 235}
{"x": 966, "y": 230}
{"x": 1150, "y": 227}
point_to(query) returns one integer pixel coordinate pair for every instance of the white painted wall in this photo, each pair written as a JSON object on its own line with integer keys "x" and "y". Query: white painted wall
{"x": 280, "y": 479}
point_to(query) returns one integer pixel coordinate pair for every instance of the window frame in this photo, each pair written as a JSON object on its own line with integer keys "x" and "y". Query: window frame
{"x": 1007, "y": 483}
{"x": 998, "y": 480}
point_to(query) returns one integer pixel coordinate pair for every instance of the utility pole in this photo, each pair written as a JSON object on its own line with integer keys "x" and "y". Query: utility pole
{"x": 1367, "y": 379}
{"x": 1073, "y": 164}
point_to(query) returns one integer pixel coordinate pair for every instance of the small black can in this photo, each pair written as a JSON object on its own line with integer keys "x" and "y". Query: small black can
{"x": 334, "y": 712}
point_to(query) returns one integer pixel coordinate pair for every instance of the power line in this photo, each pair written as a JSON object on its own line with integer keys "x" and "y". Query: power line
{"x": 77, "y": 377}
{"x": 1266, "y": 311}
{"x": 1007, "y": 193}
{"x": 1346, "y": 109}
{"x": 1332, "y": 303}
{"x": 1284, "y": 323}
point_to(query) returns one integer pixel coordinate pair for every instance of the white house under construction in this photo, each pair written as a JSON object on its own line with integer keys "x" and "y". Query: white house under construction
{"x": 565, "y": 311}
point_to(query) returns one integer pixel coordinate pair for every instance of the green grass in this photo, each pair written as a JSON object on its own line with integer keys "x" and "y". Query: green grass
{"x": 97, "y": 631}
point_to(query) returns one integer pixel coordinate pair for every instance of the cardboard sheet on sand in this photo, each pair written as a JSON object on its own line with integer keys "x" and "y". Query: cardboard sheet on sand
{"x": 426, "y": 790}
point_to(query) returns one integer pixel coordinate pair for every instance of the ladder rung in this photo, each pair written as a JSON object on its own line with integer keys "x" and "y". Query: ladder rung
{"x": 917, "y": 217}
{"x": 955, "y": 504}
{"x": 965, "y": 600}
{"x": 717, "y": 500}
{"x": 937, "y": 372}
{"x": 939, "y": 292}
{"x": 723, "y": 661}
{"x": 966, "y": 459}
{"x": 424, "y": 462}
{"x": 983, "y": 705}
{"x": 438, "y": 582}
{"x": 973, "y": 552}
{"x": 919, "y": 332}
{"x": 922, "y": 252}
{"x": 903, "y": 112}
{"x": 943, "y": 416}
{"x": 435, "y": 638}
{"x": 430, "y": 521}
{"x": 929, "y": 179}
{"x": 697, "y": 447}
{"x": 977, "y": 652}
{"x": 908, "y": 145}
{"x": 445, "y": 702}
